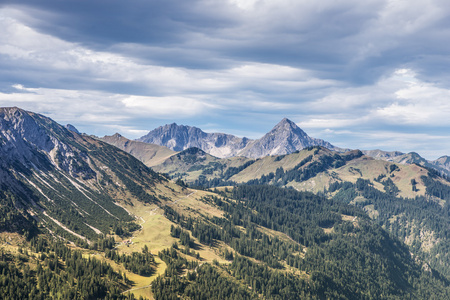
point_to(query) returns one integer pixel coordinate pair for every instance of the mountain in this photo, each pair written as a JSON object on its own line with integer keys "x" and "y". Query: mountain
{"x": 150, "y": 154}
{"x": 384, "y": 155}
{"x": 195, "y": 164}
{"x": 442, "y": 164}
{"x": 406, "y": 198}
{"x": 286, "y": 137}
{"x": 72, "y": 185}
{"x": 180, "y": 137}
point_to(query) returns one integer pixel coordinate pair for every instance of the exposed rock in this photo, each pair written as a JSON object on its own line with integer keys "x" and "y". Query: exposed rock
{"x": 181, "y": 137}
{"x": 72, "y": 128}
{"x": 67, "y": 182}
{"x": 286, "y": 137}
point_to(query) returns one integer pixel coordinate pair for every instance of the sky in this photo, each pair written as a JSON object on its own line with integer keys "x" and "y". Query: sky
{"x": 366, "y": 75}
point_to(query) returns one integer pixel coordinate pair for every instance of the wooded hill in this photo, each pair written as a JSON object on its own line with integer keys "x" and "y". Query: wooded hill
{"x": 409, "y": 200}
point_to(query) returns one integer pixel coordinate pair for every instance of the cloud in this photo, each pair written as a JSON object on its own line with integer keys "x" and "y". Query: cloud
{"x": 338, "y": 68}
{"x": 164, "y": 107}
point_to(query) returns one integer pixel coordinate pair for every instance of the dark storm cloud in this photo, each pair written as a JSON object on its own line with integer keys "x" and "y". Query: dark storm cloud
{"x": 103, "y": 23}
{"x": 352, "y": 41}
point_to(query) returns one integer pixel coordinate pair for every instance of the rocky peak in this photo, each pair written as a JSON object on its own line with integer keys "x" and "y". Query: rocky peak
{"x": 72, "y": 128}
{"x": 286, "y": 137}
{"x": 19, "y": 128}
{"x": 181, "y": 137}
{"x": 36, "y": 141}
{"x": 287, "y": 127}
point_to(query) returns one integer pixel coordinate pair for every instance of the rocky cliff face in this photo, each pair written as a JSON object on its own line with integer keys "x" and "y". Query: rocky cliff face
{"x": 36, "y": 142}
{"x": 181, "y": 137}
{"x": 68, "y": 183}
{"x": 286, "y": 137}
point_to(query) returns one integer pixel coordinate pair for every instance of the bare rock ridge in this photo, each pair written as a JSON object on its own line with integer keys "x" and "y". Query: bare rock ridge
{"x": 181, "y": 137}
{"x": 286, "y": 137}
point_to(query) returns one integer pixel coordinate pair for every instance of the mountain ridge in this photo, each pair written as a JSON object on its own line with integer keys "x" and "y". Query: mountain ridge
{"x": 68, "y": 183}
{"x": 284, "y": 138}
{"x": 150, "y": 154}
{"x": 181, "y": 137}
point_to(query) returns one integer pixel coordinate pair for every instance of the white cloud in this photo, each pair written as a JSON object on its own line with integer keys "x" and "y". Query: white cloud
{"x": 158, "y": 107}
{"x": 397, "y": 99}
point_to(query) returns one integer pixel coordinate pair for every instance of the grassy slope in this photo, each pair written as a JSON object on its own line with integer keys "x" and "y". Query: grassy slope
{"x": 270, "y": 164}
{"x": 150, "y": 154}
{"x": 368, "y": 168}
{"x": 155, "y": 231}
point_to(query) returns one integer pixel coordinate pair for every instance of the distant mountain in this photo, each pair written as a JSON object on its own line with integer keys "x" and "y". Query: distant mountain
{"x": 286, "y": 137}
{"x": 442, "y": 164}
{"x": 384, "y": 155}
{"x": 150, "y": 154}
{"x": 70, "y": 184}
{"x": 180, "y": 137}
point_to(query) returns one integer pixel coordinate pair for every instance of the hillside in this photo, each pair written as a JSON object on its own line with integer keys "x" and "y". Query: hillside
{"x": 294, "y": 245}
{"x": 193, "y": 164}
{"x": 402, "y": 197}
{"x": 150, "y": 154}
{"x": 69, "y": 184}
{"x": 442, "y": 164}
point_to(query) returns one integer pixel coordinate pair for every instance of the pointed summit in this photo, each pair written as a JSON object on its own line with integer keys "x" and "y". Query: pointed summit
{"x": 286, "y": 137}
{"x": 287, "y": 125}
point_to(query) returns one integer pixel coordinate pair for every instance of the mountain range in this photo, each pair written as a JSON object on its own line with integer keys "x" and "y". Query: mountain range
{"x": 286, "y": 137}
{"x": 82, "y": 215}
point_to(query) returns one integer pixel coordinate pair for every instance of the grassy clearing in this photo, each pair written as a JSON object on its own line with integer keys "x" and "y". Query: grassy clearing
{"x": 155, "y": 231}
{"x": 269, "y": 164}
